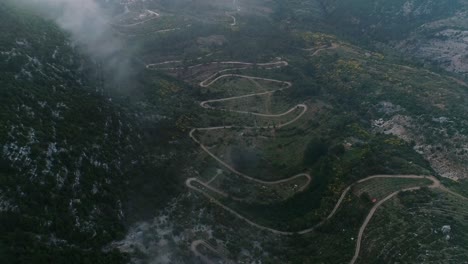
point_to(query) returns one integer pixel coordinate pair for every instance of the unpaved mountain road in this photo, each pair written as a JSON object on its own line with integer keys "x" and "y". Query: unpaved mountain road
{"x": 435, "y": 184}
{"x": 206, "y": 104}
{"x": 194, "y": 248}
{"x": 234, "y": 20}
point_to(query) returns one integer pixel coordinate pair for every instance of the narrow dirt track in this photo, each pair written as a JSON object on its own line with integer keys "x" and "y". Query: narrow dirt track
{"x": 217, "y": 76}
{"x": 234, "y": 20}
{"x": 194, "y": 248}
{"x": 154, "y": 15}
{"x": 321, "y": 48}
{"x": 247, "y": 65}
{"x": 149, "y": 33}
{"x": 436, "y": 184}
{"x": 210, "y": 81}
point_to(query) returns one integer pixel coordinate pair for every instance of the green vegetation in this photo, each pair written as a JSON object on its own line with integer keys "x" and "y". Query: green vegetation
{"x": 411, "y": 229}
{"x": 62, "y": 146}
{"x": 385, "y": 20}
{"x": 330, "y": 176}
{"x": 381, "y": 188}
{"x": 78, "y": 168}
{"x": 460, "y": 187}
{"x": 337, "y": 141}
{"x": 314, "y": 151}
{"x": 336, "y": 235}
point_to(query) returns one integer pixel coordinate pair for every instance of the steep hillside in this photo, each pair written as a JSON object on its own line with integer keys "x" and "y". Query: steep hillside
{"x": 261, "y": 131}
{"x": 434, "y": 31}
{"x": 78, "y": 166}
{"x": 63, "y": 149}
{"x": 387, "y": 20}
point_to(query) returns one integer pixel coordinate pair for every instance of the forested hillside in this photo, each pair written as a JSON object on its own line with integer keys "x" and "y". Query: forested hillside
{"x": 433, "y": 31}
{"x": 233, "y": 131}
{"x": 82, "y": 156}
{"x": 63, "y": 148}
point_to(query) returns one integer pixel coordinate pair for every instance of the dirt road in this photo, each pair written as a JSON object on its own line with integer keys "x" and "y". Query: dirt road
{"x": 436, "y": 184}
{"x": 322, "y": 48}
{"x": 234, "y": 20}
{"x": 206, "y": 104}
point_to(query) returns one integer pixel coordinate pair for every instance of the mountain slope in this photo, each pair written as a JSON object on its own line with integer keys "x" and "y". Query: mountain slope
{"x": 63, "y": 147}
{"x": 434, "y": 31}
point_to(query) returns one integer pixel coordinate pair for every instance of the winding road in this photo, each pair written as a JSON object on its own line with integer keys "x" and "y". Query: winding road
{"x": 436, "y": 184}
{"x": 234, "y": 20}
{"x": 154, "y": 15}
{"x": 247, "y": 65}
{"x": 206, "y": 104}
{"x": 332, "y": 46}
{"x": 194, "y": 248}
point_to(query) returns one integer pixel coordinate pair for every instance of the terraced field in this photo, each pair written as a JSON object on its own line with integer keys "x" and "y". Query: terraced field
{"x": 422, "y": 227}
{"x": 380, "y": 188}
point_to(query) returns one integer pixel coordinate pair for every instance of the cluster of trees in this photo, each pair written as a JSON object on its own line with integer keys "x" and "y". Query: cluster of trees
{"x": 393, "y": 24}
{"x": 74, "y": 133}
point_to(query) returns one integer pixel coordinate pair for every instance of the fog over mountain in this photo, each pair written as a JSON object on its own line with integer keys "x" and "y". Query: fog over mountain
{"x": 233, "y": 131}
{"x": 91, "y": 28}
{"x": 86, "y": 21}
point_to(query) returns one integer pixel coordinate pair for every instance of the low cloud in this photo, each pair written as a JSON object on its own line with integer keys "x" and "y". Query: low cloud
{"x": 90, "y": 27}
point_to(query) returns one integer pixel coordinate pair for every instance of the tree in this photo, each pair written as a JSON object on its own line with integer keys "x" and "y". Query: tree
{"x": 315, "y": 149}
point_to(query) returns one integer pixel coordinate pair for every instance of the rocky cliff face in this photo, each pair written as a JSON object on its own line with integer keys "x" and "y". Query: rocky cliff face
{"x": 434, "y": 31}
{"x": 443, "y": 42}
